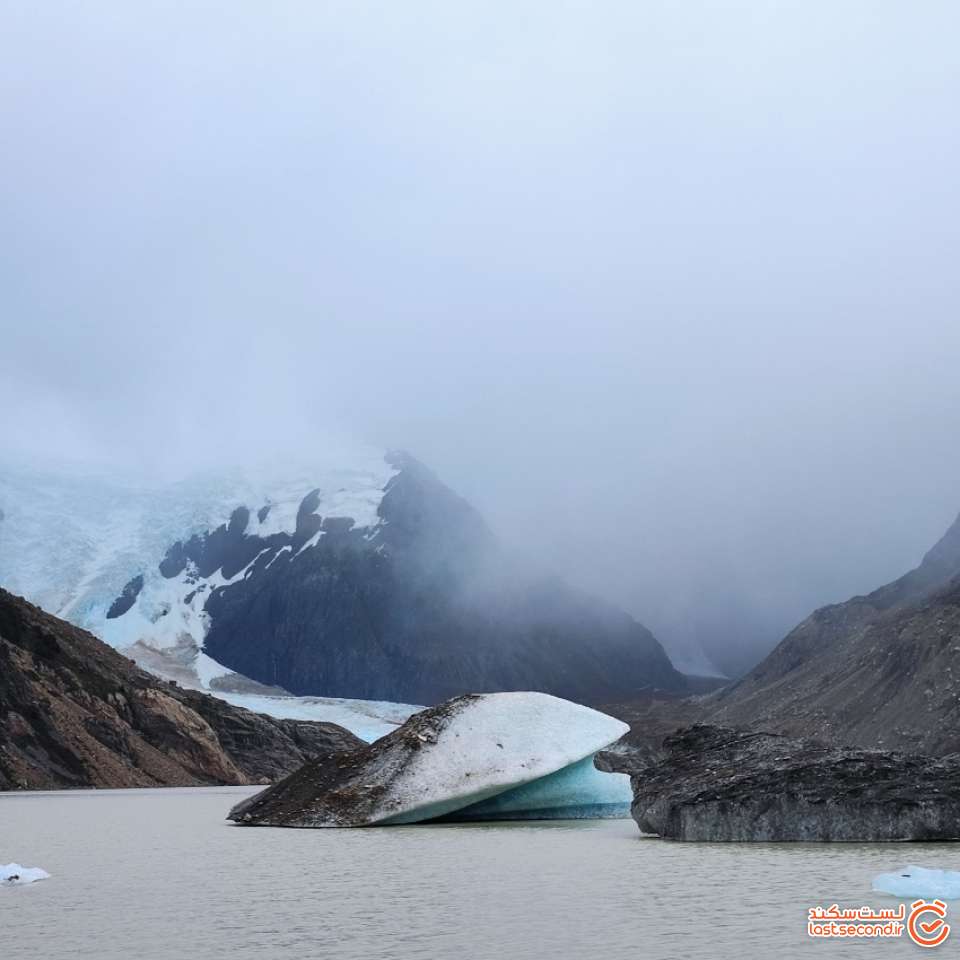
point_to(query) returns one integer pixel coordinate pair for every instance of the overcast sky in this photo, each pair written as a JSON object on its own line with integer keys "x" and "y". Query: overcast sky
{"x": 668, "y": 290}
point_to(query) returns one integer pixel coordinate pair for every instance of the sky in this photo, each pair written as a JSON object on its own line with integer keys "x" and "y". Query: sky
{"x": 669, "y": 291}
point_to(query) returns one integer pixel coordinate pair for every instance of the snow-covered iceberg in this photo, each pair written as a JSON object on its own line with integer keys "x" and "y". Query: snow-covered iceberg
{"x": 913, "y": 881}
{"x": 484, "y": 756}
{"x": 13, "y": 875}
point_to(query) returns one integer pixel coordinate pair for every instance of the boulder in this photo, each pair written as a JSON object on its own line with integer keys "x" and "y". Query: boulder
{"x": 531, "y": 751}
{"x": 714, "y": 784}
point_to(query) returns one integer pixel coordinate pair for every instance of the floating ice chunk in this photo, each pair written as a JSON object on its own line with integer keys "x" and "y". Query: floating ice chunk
{"x": 12, "y": 874}
{"x": 923, "y": 882}
{"x": 452, "y": 756}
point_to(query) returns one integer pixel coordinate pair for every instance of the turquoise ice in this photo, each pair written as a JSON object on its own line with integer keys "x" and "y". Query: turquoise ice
{"x": 577, "y": 792}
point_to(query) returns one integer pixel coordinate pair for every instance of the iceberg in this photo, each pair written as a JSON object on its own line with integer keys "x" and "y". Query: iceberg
{"x": 476, "y": 757}
{"x": 912, "y": 881}
{"x": 13, "y": 875}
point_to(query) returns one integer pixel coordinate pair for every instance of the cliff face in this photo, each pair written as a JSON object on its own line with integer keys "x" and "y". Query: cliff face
{"x": 75, "y": 713}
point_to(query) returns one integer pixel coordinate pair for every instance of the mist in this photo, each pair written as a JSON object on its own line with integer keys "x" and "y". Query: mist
{"x": 668, "y": 292}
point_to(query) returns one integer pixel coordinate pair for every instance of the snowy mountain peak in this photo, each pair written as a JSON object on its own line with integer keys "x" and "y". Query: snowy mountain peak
{"x": 84, "y": 546}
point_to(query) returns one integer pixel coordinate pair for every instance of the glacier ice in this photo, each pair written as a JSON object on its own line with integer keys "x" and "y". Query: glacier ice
{"x": 13, "y": 875}
{"x": 576, "y": 792}
{"x": 923, "y": 882}
{"x": 454, "y": 757}
{"x": 71, "y": 539}
{"x": 367, "y": 719}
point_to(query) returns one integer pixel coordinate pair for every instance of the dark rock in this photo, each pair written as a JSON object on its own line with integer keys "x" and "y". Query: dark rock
{"x": 127, "y": 598}
{"x": 718, "y": 784}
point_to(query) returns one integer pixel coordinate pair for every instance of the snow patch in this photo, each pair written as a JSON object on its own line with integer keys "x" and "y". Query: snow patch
{"x": 312, "y": 542}
{"x": 277, "y": 555}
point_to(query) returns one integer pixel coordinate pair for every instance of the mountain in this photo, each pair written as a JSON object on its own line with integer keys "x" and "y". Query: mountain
{"x": 878, "y": 670}
{"x": 75, "y": 713}
{"x": 357, "y": 575}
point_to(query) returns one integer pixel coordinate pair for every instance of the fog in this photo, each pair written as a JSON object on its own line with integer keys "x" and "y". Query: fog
{"x": 669, "y": 291}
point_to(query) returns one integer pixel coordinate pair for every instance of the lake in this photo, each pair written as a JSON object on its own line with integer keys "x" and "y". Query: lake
{"x": 159, "y": 873}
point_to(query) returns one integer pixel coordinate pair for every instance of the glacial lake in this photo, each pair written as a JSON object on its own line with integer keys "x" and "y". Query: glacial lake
{"x": 160, "y": 874}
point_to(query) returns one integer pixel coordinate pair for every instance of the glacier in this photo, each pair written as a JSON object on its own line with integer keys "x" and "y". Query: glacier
{"x": 13, "y": 875}
{"x": 367, "y": 719}
{"x": 71, "y": 538}
{"x": 518, "y": 755}
{"x": 923, "y": 882}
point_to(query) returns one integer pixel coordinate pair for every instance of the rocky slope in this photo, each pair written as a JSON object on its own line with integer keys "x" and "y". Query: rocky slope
{"x": 374, "y": 581}
{"x": 882, "y": 670}
{"x": 75, "y": 713}
{"x": 717, "y": 784}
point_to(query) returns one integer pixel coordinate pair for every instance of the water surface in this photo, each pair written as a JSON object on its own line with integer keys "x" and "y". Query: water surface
{"x": 159, "y": 874}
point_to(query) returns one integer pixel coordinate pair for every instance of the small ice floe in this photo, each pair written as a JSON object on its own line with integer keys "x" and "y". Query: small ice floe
{"x": 12, "y": 874}
{"x": 920, "y": 882}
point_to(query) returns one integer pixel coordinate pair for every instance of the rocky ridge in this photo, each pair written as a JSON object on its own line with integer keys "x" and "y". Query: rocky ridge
{"x": 75, "y": 713}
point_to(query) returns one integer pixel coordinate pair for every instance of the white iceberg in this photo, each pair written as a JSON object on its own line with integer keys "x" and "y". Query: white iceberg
{"x": 531, "y": 751}
{"x": 13, "y": 875}
{"x": 912, "y": 881}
